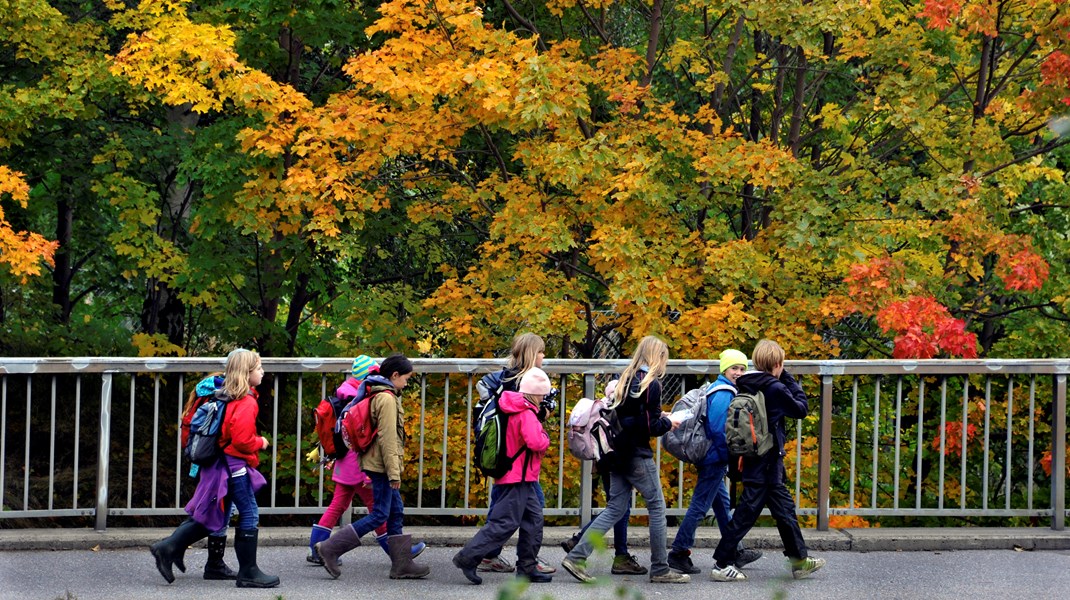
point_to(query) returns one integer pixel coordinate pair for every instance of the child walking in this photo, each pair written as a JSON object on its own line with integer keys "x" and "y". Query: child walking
{"x": 382, "y": 463}
{"x": 710, "y": 489}
{"x": 527, "y": 352}
{"x": 348, "y": 479}
{"x": 637, "y": 401}
{"x": 763, "y": 476}
{"x": 624, "y": 562}
{"x": 518, "y": 504}
{"x": 234, "y": 478}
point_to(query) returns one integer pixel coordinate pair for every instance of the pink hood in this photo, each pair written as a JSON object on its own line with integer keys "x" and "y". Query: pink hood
{"x": 523, "y": 431}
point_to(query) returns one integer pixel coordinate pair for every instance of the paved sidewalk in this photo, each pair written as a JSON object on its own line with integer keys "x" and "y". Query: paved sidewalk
{"x": 886, "y": 539}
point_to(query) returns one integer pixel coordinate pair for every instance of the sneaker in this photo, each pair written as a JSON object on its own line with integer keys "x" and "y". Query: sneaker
{"x": 626, "y": 564}
{"x": 495, "y": 565}
{"x": 577, "y": 568}
{"x": 670, "y": 576}
{"x": 542, "y": 567}
{"x": 800, "y": 569}
{"x": 746, "y": 557}
{"x": 570, "y": 543}
{"x": 680, "y": 560}
{"x": 729, "y": 573}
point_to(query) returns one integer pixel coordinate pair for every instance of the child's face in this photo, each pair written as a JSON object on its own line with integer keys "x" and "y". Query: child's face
{"x": 256, "y": 375}
{"x": 541, "y": 354}
{"x": 400, "y": 381}
{"x": 732, "y": 373}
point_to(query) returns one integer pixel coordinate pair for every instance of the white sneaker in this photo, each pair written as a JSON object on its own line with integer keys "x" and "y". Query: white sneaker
{"x": 801, "y": 569}
{"x": 543, "y": 567}
{"x": 729, "y": 573}
{"x": 495, "y": 565}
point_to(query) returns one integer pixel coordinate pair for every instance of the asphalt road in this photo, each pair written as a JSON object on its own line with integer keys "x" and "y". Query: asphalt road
{"x": 952, "y": 575}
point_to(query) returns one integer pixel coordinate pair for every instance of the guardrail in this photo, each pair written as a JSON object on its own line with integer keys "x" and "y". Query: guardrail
{"x": 970, "y": 439}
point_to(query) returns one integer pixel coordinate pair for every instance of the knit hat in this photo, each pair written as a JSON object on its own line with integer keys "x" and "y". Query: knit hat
{"x": 361, "y": 365}
{"x": 535, "y": 382}
{"x": 610, "y": 388}
{"x": 732, "y": 357}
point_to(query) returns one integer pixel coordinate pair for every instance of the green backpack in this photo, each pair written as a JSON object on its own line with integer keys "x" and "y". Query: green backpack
{"x": 747, "y": 428}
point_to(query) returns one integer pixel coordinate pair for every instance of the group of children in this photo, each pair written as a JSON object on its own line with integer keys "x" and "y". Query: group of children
{"x": 517, "y": 498}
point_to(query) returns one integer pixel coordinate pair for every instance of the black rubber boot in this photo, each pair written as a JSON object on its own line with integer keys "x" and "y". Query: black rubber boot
{"x": 215, "y": 568}
{"x": 169, "y": 550}
{"x": 250, "y": 575}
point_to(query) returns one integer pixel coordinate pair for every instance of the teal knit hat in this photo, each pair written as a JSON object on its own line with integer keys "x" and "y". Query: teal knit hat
{"x": 361, "y": 365}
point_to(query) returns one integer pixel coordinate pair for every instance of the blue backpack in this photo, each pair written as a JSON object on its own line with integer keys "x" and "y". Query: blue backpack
{"x": 202, "y": 447}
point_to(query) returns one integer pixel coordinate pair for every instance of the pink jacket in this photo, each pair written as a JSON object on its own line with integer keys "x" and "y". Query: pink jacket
{"x": 347, "y": 469}
{"x": 523, "y": 431}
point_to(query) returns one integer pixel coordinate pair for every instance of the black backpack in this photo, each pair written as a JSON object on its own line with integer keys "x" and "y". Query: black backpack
{"x": 202, "y": 447}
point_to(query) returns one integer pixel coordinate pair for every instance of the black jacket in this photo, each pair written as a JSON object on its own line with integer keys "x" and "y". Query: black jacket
{"x": 783, "y": 398}
{"x": 640, "y": 419}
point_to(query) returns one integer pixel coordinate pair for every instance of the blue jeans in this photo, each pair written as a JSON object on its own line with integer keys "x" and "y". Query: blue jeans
{"x": 620, "y": 528}
{"x": 240, "y": 495}
{"x": 641, "y": 474}
{"x": 387, "y": 507}
{"x": 709, "y": 490}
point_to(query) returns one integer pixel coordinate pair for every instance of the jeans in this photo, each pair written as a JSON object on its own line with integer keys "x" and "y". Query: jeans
{"x": 620, "y": 528}
{"x": 710, "y": 490}
{"x": 240, "y": 495}
{"x": 495, "y": 494}
{"x": 387, "y": 507}
{"x": 641, "y": 474}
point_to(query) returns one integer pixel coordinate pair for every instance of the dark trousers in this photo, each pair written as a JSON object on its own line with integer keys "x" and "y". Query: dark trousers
{"x": 517, "y": 506}
{"x": 749, "y": 508}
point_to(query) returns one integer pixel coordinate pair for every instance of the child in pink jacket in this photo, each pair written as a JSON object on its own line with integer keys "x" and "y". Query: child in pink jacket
{"x": 518, "y": 505}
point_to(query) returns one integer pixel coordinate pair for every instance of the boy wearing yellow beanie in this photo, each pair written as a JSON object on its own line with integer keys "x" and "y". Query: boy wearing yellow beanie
{"x": 710, "y": 489}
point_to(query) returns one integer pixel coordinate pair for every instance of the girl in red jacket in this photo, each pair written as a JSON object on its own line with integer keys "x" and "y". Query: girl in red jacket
{"x": 518, "y": 505}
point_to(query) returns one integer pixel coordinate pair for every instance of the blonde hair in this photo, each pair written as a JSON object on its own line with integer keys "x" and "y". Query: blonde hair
{"x": 651, "y": 352}
{"x": 526, "y": 348}
{"x": 240, "y": 364}
{"x": 767, "y": 355}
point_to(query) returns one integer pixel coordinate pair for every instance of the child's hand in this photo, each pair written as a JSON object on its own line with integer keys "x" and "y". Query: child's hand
{"x": 264, "y": 443}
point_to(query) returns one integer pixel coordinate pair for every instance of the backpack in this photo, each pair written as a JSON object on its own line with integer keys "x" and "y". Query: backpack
{"x": 493, "y": 384}
{"x": 747, "y": 428}
{"x": 202, "y": 448}
{"x": 491, "y": 456}
{"x": 592, "y": 429}
{"x": 689, "y": 442}
{"x": 358, "y": 431}
{"x": 328, "y": 425}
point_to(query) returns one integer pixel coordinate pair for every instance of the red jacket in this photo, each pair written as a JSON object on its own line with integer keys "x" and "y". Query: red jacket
{"x": 239, "y": 437}
{"x": 523, "y": 431}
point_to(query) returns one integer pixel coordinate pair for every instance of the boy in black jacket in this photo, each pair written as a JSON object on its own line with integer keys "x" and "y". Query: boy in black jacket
{"x": 763, "y": 476}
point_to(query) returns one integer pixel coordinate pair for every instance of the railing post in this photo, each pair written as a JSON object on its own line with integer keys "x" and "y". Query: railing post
{"x": 103, "y": 453}
{"x": 1058, "y": 453}
{"x": 824, "y": 454}
{"x": 585, "y": 466}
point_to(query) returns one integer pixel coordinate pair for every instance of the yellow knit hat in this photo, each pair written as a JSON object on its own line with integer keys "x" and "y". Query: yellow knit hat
{"x": 732, "y": 357}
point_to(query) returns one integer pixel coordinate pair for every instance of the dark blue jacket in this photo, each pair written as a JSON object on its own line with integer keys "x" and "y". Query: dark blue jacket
{"x": 783, "y": 398}
{"x": 640, "y": 419}
{"x": 716, "y": 414}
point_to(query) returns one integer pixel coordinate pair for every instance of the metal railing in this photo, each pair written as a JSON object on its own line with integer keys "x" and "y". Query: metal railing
{"x": 967, "y": 439}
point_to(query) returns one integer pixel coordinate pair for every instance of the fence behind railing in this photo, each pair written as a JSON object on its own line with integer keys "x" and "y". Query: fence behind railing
{"x": 979, "y": 441}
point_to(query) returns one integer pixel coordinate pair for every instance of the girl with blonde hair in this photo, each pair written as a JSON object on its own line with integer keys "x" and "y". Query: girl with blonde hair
{"x": 637, "y": 401}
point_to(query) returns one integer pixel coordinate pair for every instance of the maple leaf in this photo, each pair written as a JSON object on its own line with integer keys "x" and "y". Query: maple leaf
{"x": 940, "y": 12}
{"x": 924, "y": 328}
{"x": 1023, "y": 271}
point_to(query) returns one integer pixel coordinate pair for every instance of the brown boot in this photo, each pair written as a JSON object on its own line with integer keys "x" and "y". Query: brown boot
{"x": 343, "y": 540}
{"x": 401, "y": 565}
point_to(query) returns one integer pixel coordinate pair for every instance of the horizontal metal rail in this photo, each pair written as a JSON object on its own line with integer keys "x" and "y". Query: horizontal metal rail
{"x": 887, "y": 440}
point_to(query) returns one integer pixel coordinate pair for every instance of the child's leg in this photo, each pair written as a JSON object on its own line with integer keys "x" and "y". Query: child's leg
{"x": 782, "y": 508}
{"x": 368, "y": 499}
{"x": 340, "y": 502}
{"x": 530, "y": 540}
{"x": 502, "y": 522}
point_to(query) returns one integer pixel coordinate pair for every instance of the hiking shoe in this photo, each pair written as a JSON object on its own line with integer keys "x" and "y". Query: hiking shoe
{"x": 746, "y": 557}
{"x": 495, "y": 565}
{"x": 670, "y": 576}
{"x": 542, "y": 567}
{"x": 729, "y": 573}
{"x": 801, "y": 569}
{"x": 680, "y": 560}
{"x": 469, "y": 572}
{"x": 577, "y": 568}
{"x": 626, "y": 564}
{"x": 570, "y": 543}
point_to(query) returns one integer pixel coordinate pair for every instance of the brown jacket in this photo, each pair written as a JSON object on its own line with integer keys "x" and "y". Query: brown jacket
{"x": 387, "y": 452}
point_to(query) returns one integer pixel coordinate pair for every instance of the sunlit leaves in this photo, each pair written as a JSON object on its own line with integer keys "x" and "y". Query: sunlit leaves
{"x": 22, "y": 252}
